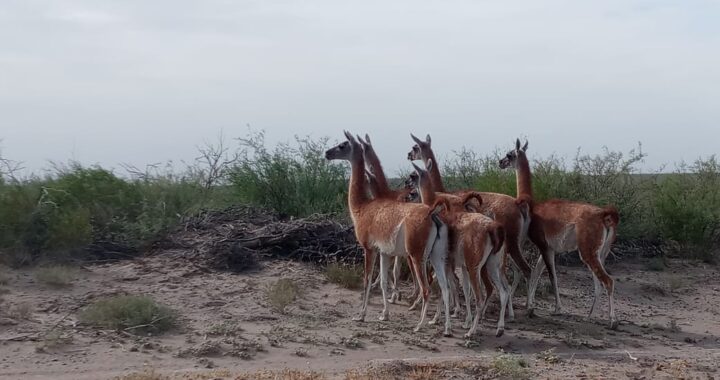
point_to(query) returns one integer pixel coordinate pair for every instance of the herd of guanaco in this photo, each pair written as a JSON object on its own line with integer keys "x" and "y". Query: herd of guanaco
{"x": 473, "y": 230}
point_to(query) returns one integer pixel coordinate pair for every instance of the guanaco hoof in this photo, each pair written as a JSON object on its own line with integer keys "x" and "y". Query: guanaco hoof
{"x": 500, "y": 333}
{"x": 614, "y": 325}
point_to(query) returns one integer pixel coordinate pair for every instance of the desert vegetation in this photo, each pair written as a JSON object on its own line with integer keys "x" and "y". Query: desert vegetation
{"x": 64, "y": 232}
{"x": 85, "y": 212}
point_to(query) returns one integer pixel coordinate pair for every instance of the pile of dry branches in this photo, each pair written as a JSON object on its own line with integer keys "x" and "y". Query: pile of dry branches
{"x": 236, "y": 238}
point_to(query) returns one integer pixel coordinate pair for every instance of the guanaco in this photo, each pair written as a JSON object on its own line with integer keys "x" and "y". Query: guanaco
{"x": 511, "y": 213}
{"x": 559, "y": 226}
{"x": 391, "y": 228}
{"x": 475, "y": 242}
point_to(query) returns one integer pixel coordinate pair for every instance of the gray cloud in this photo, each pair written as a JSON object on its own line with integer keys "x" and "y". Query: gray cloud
{"x": 139, "y": 81}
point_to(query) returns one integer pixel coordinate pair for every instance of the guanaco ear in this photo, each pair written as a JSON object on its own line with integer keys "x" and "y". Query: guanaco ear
{"x": 349, "y": 136}
{"x": 417, "y": 140}
{"x": 429, "y": 164}
{"x": 427, "y": 139}
{"x": 524, "y": 148}
{"x": 360, "y": 140}
{"x": 517, "y": 144}
{"x": 367, "y": 139}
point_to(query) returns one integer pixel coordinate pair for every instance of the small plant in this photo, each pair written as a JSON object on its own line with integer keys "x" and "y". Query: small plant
{"x": 656, "y": 264}
{"x": 673, "y": 326}
{"x": 301, "y": 352}
{"x": 511, "y": 367}
{"x": 21, "y": 311}
{"x": 56, "y": 276}
{"x": 349, "y": 277}
{"x": 4, "y": 277}
{"x": 675, "y": 283}
{"x": 548, "y": 356}
{"x": 135, "y": 314}
{"x": 54, "y": 339}
{"x": 225, "y": 328}
{"x": 282, "y": 293}
{"x": 148, "y": 374}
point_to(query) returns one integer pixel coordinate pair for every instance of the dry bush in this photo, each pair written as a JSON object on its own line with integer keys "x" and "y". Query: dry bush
{"x": 56, "y": 276}
{"x": 347, "y": 276}
{"x": 135, "y": 314}
{"x": 282, "y": 293}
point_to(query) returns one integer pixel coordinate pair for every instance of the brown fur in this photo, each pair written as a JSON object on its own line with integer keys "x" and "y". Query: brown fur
{"x": 554, "y": 224}
{"x": 507, "y": 212}
{"x": 377, "y": 221}
{"x": 469, "y": 232}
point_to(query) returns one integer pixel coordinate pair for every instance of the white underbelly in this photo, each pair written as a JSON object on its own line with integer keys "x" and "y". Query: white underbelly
{"x": 394, "y": 245}
{"x": 565, "y": 241}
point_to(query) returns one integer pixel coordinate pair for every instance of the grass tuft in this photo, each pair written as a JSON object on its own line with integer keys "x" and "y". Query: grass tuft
{"x": 349, "y": 277}
{"x": 282, "y": 293}
{"x": 656, "y": 264}
{"x": 135, "y": 314}
{"x": 56, "y": 276}
{"x": 511, "y": 367}
{"x": 21, "y": 311}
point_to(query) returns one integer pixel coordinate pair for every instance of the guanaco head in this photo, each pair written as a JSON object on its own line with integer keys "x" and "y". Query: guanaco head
{"x": 423, "y": 178}
{"x": 412, "y": 181}
{"x": 421, "y": 150}
{"x": 511, "y": 158}
{"x": 347, "y": 150}
{"x": 412, "y": 196}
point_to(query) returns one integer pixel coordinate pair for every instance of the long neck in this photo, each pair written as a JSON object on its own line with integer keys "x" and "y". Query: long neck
{"x": 358, "y": 191}
{"x": 374, "y": 162}
{"x": 435, "y": 178}
{"x": 427, "y": 193}
{"x": 524, "y": 178}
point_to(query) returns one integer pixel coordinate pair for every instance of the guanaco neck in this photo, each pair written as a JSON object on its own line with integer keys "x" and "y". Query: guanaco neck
{"x": 524, "y": 178}
{"x": 435, "y": 178}
{"x": 374, "y": 162}
{"x": 358, "y": 190}
{"x": 427, "y": 194}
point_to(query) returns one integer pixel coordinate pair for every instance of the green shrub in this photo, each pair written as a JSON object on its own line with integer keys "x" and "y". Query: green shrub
{"x": 294, "y": 180}
{"x": 687, "y": 204}
{"x": 349, "y": 277}
{"x": 56, "y": 276}
{"x": 136, "y": 314}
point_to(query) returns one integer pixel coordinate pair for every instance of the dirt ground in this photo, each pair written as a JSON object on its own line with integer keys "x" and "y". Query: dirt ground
{"x": 670, "y": 328}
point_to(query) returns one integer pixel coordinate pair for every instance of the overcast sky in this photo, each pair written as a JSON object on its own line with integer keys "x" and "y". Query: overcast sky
{"x": 146, "y": 81}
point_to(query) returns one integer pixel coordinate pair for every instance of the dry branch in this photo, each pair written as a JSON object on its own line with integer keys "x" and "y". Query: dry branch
{"x": 236, "y": 238}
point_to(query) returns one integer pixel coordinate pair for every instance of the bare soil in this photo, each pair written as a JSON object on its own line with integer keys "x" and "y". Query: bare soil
{"x": 670, "y": 327}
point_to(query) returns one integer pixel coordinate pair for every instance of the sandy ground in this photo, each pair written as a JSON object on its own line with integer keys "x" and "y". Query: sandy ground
{"x": 670, "y": 327}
